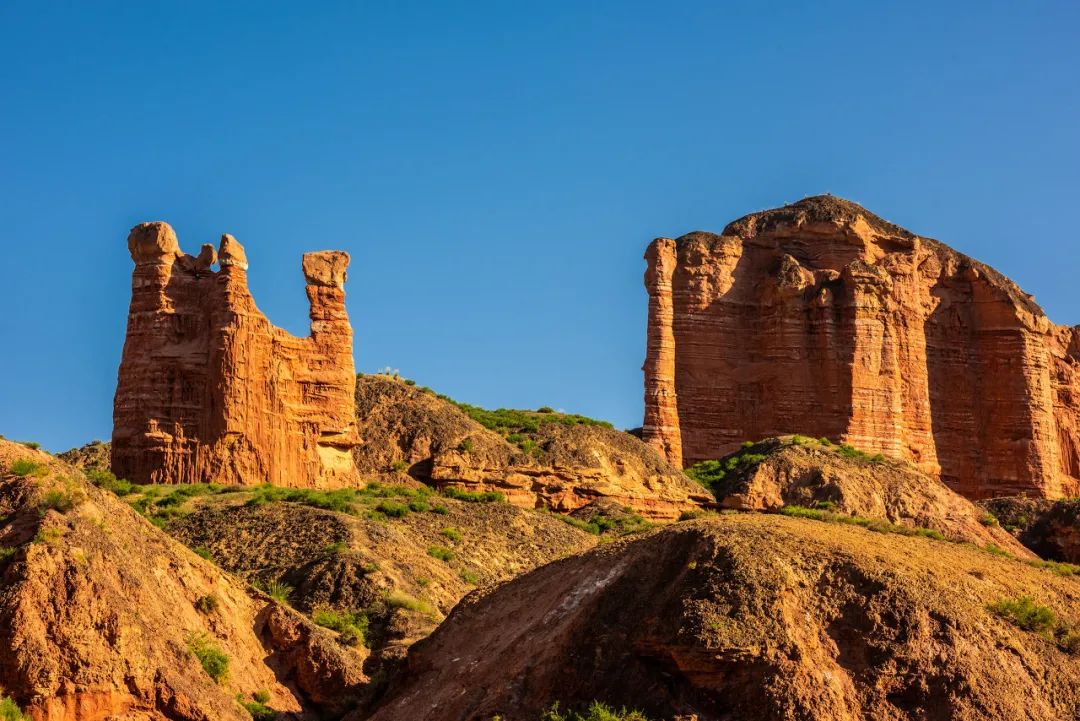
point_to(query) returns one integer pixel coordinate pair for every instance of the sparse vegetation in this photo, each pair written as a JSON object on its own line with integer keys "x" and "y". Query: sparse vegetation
{"x": 27, "y": 468}
{"x": 207, "y": 604}
{"x": 876, "y": 525}
{"x": 108, "y": 481}
{"x": 351, "y": 625}
{"x": 203, "y": 553}
{"x": 440, "y": 509}
{"x": 275, "y": 589}
{"x": 6, "y": 553}
{"x": 398, "y": 599}
{"x": 506, "y": 421}
{"x": 710, "y": 474}
{"x": 213, "y": 659}
{"x": 10, "y": 711}
{"x": 470, "y": 497}
{"x": 392, "y": 509}
{"x": 257, "y": 706}
{"x": 600, "y": 523}
{"x": 441, "y": 552}
{"x": 399, "y": 466}
{"x": 452, "y": 533}
{"x": 595, "y": 712}
{"x": 32, "y": 445}
{"x": 63, "y": 499}
{"x": 1024, "y": 613}
{"x": 469, "y": 577}
{"x": 335, "y": 548}
{"x": 989, "y": 520}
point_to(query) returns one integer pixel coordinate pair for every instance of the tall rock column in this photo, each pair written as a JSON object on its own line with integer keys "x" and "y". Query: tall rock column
{"x": 210, "y": 391}
{"x": 661, "y": 426}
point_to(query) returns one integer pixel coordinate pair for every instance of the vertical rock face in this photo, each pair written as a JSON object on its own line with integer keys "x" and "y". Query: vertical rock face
{"x": 821, "y": 318}
{"x": 209, "y": 390}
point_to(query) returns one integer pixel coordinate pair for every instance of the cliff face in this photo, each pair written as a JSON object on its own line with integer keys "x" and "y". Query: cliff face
{"x": 821, "y": 318}
{"x": 209, "y": 390}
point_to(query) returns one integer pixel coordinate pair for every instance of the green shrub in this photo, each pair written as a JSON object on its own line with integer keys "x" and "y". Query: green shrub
{"x": 440, "y": 552}
{"x": 595, "y": 712}
{"x": 465, "y": 446}
{"x": 1024, "y": 613}
{"x": 213, "y": 659}
{"x": 275, "y": 589}
{"x": 6, "y": 552}
{"x": 470, "y": 497}
{"x": 823, "y": 512}
{"x": 61, "y": 500}
{"x": 392, "y": 509}
{"x": 32, "y": 445}
{"x": 351, "y": 625}
{"x": 203, "y": 553}
{"x": 710, "y": 474}
{"x": 399, "y": 465}
{"x": 1061, "y": 569}
{"x": 545, "y": 409}
{"x": 398, "y": 599}
{"x": 258, "y": 709}
{"x": 418, "y": 505}
{"x": 207, "y": 604}
{"x": 27, "y": 468}
{"x": 452, "y": 533}
{"x": 106, "y": 480}
{"x": 1067, "y": 638}
{"x": 440, "y": 509}
{"x": 262, "y": 696}
{"x": 10, "y": 711}
{"x": 824, "y": 441}
{"x": 995, "y": 550}
{"x": 988, "y": 519}
{"x": 335, "y": 548}
{"x": 508, "y": 420}
{"x": 469, "y": 577}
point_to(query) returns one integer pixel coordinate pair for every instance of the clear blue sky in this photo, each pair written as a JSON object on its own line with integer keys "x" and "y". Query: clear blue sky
{"x": 496, "y": 169}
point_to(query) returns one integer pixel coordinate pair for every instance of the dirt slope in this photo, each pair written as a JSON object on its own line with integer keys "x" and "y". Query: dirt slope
{"x": 801, "y": 471}
{"x": 753, "y": 616}
{"x": 553, "y": 463}
{"x": 100, "y": 615}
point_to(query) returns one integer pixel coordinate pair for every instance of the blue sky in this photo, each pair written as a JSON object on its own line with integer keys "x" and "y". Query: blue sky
{"x": 496, "y": 169}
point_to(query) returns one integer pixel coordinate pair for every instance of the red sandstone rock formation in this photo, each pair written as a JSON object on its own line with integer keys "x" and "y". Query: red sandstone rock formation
{"x": 822, "y": 318}
{"x": 209, "y": 390}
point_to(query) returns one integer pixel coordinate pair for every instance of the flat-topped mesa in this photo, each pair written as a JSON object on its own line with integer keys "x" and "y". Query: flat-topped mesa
{"x": 821, "y": 318}
{"x": 210, "y": 391}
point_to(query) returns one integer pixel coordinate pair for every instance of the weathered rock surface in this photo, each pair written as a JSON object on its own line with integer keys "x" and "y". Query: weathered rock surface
{"x": 752, "y": 616}
{"x": 809, "y": 473}
{"x": 93, "y": 455}
{"x": 1049, "y": 528}
{"x": 821, "y": 318}
{"x": 210, "y": 391}
{"x": 570, "y": 466}
{"x": 99, "y": 612}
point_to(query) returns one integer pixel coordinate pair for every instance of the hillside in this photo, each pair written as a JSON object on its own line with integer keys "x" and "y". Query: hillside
{"x": 536, "y": 459}
{"x": 752, "y": 616}
{"x": 104, "y": 616}
{"x": 796, "y": 474}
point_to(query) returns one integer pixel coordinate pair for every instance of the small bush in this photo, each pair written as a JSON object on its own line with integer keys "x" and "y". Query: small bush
{"x": 213, "y": 659}
{"x": 207, "y": 604}
{"x": 27, "y": 468}
{"x": 466, "y": 446}
{"x": 276, "y": 590}
{"x": 440, "y": 552}
{"x": 392, "y": 509}
{"x": 1061, "y": 569}
{"x": 824, "y": 441}
{"x": 1068, "y": 639}
{"x": 261, "y": 696}
{"x": 440, "y": 509}
{"x": 61, "y": 500}
{"x": 203, "y": 553}
{"x": 32, "y": 445}
{"x": 545, "y": 409}
{"x": 399, "y": 466}
{"x": 10, "y": 711}
{"x": 418, "y": 505}
{"x": 1024, "y": 613}
{"x": 995, "y": 550}
{"x": 397, "y": 599}
{"x": 6, "y": 553}
{"x": 335, "y": 548}
{"x": 452, "y": 533}
{"x": 351, "y": 625}
{"x": 258, "y": 709}
{"x": 106, "y": 480}
{"x": 469, "y": 577}
{"x": 989, "y": 520}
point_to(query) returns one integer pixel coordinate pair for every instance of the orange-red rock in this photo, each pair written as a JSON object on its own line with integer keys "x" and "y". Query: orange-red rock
{"x": 821, "y": 318}
{"x": 209, "y": 390}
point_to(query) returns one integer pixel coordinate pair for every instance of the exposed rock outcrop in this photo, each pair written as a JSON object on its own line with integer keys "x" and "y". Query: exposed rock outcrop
{"x": 103, "y": 616}
{"x": 568, "y": 465}
{"x": 209, "y": 390}
{"x": 752, "y": 616}
{"x": 821, "y": 318}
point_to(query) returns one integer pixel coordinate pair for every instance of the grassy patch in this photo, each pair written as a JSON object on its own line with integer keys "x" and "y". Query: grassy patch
{"x": 6, "y": 553}
{"x": 207, "y": 604}
{"x": 351, "y": 625}
{"x": 276, "y": 590}
{"x": 392, "y": 509}
{"x": 399, "y": 465}
{"x": 27, "y": 468}
{"x": 63, "y": 499}
{"x": 1061, "y": 569}
{"x": 398, "y": 599}
{"x": 470, "y": 497}
{"x": 108, "y": 481}
{"x": 596, "y": 711}
{"x": 469, "y": 577}
{"x": 336, "y": 548}
{"x": 710, "y": 474}
{"x": 506, "y": 421}
{"x": 213, "y": 659}
{"x": 257, "y": 706}
{"x": 452, "y": 533}
{"x": 10, "y": 711}
{"x": 441, "y": 552}
{"x": 989, "y": 520}
{"x": 1024, "y": 613}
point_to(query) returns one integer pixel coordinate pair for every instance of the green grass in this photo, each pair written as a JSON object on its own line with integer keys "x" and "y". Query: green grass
{"x": 203, "y": 553}
{"x": 399, "y": 466}
{"x": 469, "y": 577}
{"x": 336, "y": 548}
{"x": 452, "y": 533}
{"x": 710, "y": 474}
{"x": 507, "y": 421}
{"x": 1061, "y": 569}
{"x": 601, "y": 524}
{"x": 6, "y": 553}
{"x": 275, "y": 589}
{"x": 398, "y": 599}
{"x": 392, "y": 509}
{"x": 27, "y": 468}
{"x": 440, "y": 509}
{"x": 213, "y": 659}
{"x": 61, "y": 500}
{"x": 989, "y": 520}
{"x": 351, "y": 625}
{"x": 441, "y": 552}
{"x": 470, "y": 497}
{"x": 257, "y": 708}
{"x": 10, "y": 711}
{"x": 596, "y": 711}
{"x": 1024, "y": 613}
{"x": 108, "y": 481}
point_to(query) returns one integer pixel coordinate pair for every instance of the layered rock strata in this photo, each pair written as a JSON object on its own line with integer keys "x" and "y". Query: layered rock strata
{"x": 210, "y": 390}
{"x": 821, "y": 318}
